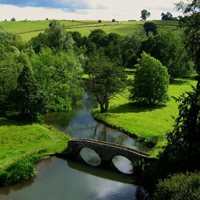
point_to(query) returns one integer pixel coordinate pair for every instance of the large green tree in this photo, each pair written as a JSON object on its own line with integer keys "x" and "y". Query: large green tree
{"x": 106, "y": 80}
{"x": 151, "y": 81}
{"x": 9, "y": 72}
{"x": 58, "y": 76}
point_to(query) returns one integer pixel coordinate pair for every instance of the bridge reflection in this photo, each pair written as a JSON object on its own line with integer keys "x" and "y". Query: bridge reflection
{"x": 105, "y": 171}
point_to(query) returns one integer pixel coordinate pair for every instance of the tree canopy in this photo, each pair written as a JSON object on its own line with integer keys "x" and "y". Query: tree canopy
{"x": 167, "y": 16}
{"x": 150, "y": 27}
{"x": 169, "y": 49}
{"x": 151, "y": 81}
{"x": 106, "y": 80}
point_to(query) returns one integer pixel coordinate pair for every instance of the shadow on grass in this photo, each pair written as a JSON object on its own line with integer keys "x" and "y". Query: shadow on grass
{"x": 179, "y": 82}
{"x": 134, "y": 108}
{"x": 9, "y": 121}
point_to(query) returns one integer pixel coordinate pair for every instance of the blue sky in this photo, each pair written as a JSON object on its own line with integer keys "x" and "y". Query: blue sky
{"x": 84, "y": 9}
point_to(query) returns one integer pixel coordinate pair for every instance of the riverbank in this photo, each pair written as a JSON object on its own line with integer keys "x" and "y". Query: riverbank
{"x": 149, "y": 123}
{"x": 22, "y": 144}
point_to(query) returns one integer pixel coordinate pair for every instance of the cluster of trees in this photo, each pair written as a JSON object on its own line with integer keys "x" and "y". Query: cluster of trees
{"x": 40, "y": 76}
{"x": 44, "y": 75}
{"x": 56, "y": 58}
{"x": 168, "y": 16}
{"x": 179, "y": 163}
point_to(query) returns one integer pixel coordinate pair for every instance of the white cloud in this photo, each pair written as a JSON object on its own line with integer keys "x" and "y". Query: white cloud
{"x": 99, "y": 9}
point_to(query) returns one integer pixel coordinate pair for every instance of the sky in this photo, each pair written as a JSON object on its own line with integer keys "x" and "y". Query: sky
{"x": 120, "y": 10}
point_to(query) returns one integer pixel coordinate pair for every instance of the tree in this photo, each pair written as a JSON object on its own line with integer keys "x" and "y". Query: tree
{"x": 13, "y": 19}
{"x": 99, "y": 37}
{"x": 191, "y": 30}
{"x": 169, "y": 49}
{"x": 151, "y": 81}
{"x": 58, "y": 77}
{"x": 53, "y": 37}
{"x": 57, "y": 37}
{"x": 182, "y": 151}
{"x": 99, "y": 21}
{"x": 167, "y": 16}
{"x": 150, "y": 27}
{"x": 145, "y": 14}
{"x": 130, "y": 45}
{"x": 26, "y": 97}
{"x": 113, "y": 20}
{"x": 9, "y": 72}
{"x": 106, "y": 80}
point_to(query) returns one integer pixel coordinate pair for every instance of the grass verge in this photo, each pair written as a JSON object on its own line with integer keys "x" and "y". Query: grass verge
{"x": 22, "y": 144}
{"x": 149, "y": 123}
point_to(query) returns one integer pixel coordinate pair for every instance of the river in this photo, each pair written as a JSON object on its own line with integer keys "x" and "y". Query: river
{"x": 73, "y": 179}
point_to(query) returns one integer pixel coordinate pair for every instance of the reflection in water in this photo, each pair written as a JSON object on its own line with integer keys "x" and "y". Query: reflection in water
{"x": 73, "y": 180}
{"x": 90, "y": 156}
{"x": 123, "y": 164}
{"x": 79, "y": 123}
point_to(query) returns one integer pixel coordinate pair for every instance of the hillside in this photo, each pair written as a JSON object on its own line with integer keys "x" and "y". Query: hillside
{"x": 29, "y": 29}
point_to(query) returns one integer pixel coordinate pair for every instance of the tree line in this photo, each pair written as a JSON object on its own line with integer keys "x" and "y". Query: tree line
{"x": 44, "y": 74}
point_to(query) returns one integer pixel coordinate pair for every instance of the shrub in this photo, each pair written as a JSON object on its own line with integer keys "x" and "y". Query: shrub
{"x": 179, "y": 187}
{"x": 3, "y": 177}
{"x": 19, "y": 171}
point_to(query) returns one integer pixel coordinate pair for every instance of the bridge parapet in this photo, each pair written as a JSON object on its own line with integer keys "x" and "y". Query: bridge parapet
{"x": 106, "y": 150}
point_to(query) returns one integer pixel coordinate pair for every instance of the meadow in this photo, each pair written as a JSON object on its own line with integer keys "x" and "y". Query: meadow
{"x": 29, "y": 29}
{"x": 19, "y": 139}
{"x": 149, "y": 123}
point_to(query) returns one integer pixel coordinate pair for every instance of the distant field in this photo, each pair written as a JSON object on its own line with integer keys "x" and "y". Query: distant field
{"x": 29, "y": 29}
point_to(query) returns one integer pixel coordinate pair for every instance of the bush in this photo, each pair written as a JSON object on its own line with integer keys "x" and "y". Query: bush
{"x": 17, "y": 172}
{"x": 3, "y": 177}
{"x": 179, "y": 187}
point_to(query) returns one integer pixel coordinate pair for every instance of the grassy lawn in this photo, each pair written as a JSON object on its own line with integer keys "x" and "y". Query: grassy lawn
{"x": 148, "y": 123}
{"x": 20, "y": 139}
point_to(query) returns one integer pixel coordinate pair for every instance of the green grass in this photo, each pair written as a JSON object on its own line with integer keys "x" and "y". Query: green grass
{"x": 29, "y": 29}
{"x": 150, "y": 124}
{"x": 20, "y": 139}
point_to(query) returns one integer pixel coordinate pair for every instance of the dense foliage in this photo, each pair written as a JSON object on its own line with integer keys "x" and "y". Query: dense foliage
{"x": 169, "y": 49}
{"x": 151, "y": 81}
{"x": 182, "y": 151}
{"x": 150, "y": 27}
{"x": 167, "y": 16}
{"x": 40, "y": 76}
{"x": 106, "y": 80}
{"x": 179, "y": 187}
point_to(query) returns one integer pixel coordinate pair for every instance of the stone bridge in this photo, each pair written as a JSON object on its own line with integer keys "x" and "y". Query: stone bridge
{"x": 106, "y": 150}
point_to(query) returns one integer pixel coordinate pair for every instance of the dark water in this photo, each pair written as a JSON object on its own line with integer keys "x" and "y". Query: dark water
{"x": 72, "y": 179}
